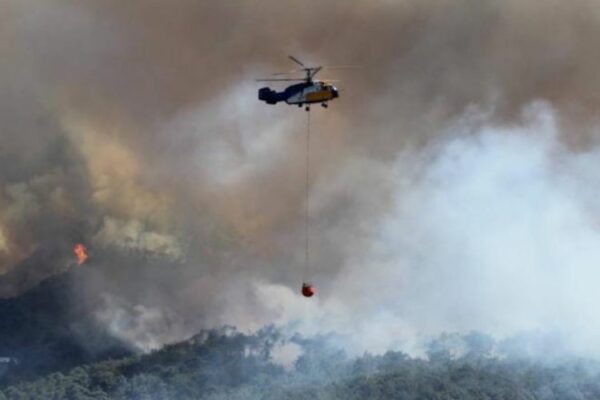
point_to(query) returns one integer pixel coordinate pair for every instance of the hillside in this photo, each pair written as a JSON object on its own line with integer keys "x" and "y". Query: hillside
{"x": 44, "y": 330}
{"x": 225, "y": 364}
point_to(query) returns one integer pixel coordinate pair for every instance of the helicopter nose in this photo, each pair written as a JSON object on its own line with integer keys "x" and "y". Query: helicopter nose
{"x": 334, "y": 92}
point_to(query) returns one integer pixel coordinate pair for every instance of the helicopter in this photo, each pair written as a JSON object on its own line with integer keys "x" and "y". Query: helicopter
{"x": 301, "y": 94}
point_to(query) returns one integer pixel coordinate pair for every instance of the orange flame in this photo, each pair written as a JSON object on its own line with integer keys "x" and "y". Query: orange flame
{"x": 80, "y": 252}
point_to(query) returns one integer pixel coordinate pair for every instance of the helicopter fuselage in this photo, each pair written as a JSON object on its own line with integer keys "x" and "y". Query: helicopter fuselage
{"x": 300, "y": 93}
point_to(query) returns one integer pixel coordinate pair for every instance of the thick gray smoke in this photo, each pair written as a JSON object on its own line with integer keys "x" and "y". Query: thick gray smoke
{"x": 452, "y": 184}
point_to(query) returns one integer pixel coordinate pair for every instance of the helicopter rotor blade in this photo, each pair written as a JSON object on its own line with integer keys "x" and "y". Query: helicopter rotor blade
{"x": 294, "y": 59}
{"x": 309, "y": 71}
{"x": 313, "y": 71}
{"x": 292, "y": 71}
{"x": 341, "y": 66}
{"x": 281, "y": 80}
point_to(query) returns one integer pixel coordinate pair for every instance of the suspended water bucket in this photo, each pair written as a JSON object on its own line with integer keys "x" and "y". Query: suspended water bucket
{"x": 308, "y": 290}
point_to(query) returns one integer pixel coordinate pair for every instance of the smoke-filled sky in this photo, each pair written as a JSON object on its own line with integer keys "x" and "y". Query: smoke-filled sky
{"x": 452, "y": 184}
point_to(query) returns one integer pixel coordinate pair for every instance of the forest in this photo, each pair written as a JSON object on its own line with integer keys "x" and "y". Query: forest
{"x": 227, "y": 364}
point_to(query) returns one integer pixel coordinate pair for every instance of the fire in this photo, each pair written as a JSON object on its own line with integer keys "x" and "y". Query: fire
{"x": 80, "y": 252}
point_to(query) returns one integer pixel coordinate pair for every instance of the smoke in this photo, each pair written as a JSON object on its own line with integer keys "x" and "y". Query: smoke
{"x": 452, "y": 184}
{"x": 497, "y": 234}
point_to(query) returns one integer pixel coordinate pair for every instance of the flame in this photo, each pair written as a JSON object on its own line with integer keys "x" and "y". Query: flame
{"x": 80, "y": 252}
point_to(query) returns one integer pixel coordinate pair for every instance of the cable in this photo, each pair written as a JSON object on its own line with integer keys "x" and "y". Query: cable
{"x": 306, "y": 201}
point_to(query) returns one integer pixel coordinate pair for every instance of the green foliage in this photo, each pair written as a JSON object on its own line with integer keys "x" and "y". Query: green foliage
{"x": 225, "y": 364}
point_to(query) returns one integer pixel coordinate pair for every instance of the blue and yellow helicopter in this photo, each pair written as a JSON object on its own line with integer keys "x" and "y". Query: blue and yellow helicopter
{"x": 301, "y": 94}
